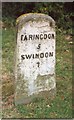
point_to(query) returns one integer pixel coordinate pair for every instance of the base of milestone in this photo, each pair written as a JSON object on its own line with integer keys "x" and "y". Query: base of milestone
{"x": 36, "y": 96}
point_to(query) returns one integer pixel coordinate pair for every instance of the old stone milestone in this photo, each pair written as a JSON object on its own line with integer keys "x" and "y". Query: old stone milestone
{"x": 35, "y": 57}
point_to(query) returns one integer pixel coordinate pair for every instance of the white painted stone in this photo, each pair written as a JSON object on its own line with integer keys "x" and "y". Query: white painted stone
{"x": 35, "y": 56}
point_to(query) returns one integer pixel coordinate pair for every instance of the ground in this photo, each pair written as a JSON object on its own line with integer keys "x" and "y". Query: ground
{"x": 61, "y": 105}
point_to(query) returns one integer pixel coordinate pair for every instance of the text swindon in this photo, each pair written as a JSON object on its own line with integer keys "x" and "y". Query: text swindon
{"x": 37, "y": 55}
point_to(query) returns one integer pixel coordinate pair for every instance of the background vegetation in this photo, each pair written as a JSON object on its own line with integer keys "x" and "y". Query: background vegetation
{"x": 61, "y": 105}
{"x": 61, "y": 12}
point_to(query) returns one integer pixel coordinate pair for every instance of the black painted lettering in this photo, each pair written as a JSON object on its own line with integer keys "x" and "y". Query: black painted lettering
{"x": 22, "y": 57}
{"x": 28, "y": 56}
{"x": 52, "y": 36}
{"x": 36, "y": 55}
{"x": 33, "y": 56}
{"x": 41, "y": 55}
{"x": 25, "y": 37}
{"x": 37, "y": 37}
{"x": 30, "y": 37}
{"x": 50, "y": 54}
{"x": 46, "y": 54}
{"x": 38, "y": 64}
{"x": 49, "y": 36}
{"x": 45, "y": 36}
{"x": 22, "y": 37}
{"x": 41, "y": 36}
{"x": 39, "y": 46}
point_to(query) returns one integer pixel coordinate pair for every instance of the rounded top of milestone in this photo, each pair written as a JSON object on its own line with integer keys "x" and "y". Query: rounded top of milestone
{"x": 34, "y": 17}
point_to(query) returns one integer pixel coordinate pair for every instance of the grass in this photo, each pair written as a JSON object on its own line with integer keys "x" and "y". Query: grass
{"x": 8, "y": 46}
{"x": 61, "y": 105}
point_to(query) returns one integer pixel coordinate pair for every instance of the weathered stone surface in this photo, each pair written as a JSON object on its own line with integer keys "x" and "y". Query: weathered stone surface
{"x": 35, "y": 57}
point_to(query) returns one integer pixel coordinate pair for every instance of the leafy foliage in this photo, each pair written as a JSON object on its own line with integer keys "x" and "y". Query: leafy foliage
{"x": 61, "y": 12}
